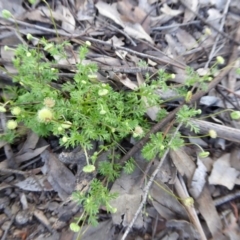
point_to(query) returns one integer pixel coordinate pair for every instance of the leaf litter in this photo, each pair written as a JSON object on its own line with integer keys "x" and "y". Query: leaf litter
{"x": 168, "y": 35}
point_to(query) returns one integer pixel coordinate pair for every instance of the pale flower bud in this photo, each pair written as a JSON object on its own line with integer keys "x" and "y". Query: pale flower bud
{"x": 11, "y": 124}
{"x": 45, "y": 115}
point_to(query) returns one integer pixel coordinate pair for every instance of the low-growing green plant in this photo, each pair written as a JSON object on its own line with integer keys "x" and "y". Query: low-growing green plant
{"x": 83, "y": 110}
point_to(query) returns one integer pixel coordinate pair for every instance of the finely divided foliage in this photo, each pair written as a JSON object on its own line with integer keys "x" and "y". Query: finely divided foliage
{"x": 83, "y": 110}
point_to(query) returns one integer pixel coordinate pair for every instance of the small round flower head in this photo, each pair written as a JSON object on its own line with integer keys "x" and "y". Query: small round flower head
{"x": 49, "y": 102}
{"x": 208, "y": 31}
{"x": 138, "y": 131}
{"x": 173, "y": 76}
{"x": 188, "y": 201}
{"x": 29, "y": 36}
{"x": 66, "y": 125}
{"x": 6, "y": 48}
{"x": 212, "y": 133}
{"x": 2, "y": 109}
{"x": 75, "y": 227}
{"x": 28, "y": 54}
{"x": 11, "y": 124}
{"x": 64, "y": 139}
{"x": 102, "y": 92}
{"x": 45, "y": 115}
{"x": 89, "y": 168}
{"x": 60, "y": 129}
{"x": 220, "y": 59}
{"x": 88, "y": 43}
{"x": 16, "y": 111}
{"x": 199, "y": 111}
{"x": 6, "y": 14}
{"x": 235, "y": 115}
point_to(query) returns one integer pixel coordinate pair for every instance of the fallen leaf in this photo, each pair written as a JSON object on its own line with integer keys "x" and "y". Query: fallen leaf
{"x": 68, "y": 21}
{"x": 185, "y": 229}
{"x": 58, "y": 175}
{"x": 186, "y": 39}
{"x": 169, "y": 11}
{"x": 183, "y": 162}
{"x": 198, "y": 180}
{"x": 165, "y": 203}
{"x": 222, "y": 173}
{"x": 189, "y": 15}
{"x": 109, "y": 11}
{"x": 209, "y": 212}
{"x": 35, "y": 184}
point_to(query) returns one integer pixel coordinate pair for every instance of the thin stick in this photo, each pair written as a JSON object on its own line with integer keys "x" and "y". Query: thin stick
{"x": 147, "y": 187}
{"x": 212, "y": 53}
{"x": 209, "y": 24}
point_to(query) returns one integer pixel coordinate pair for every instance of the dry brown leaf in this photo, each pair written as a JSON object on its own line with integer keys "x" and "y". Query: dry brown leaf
{"x": 190, "y": 15}
{"x": 127, "y": 82}
{"x": 15, "y": 7}
{"x": 184, "y": 229}
{"x": 115, "y": 41}
{"x": 169, "y": 11}
{"x": 183, "y": 163}
{"x": 198, "y": 180}
{"x": 58, "y": 175}
{"x": 109, "y": 11}
{"x": 85, "y": 10}
{"x": 133, "y": 14}
{"x": 68, "y": 21}
{"x": 31, "y": 153}
{"x": 209, "y": 212}
{"x": 165, "y": 203}
{"x": 37, "y": 183}
{"x": 214, "y": 17}
{"x": 103, "y": 231}
{"x": 30, "y": 143}
{"x": 186, "y": 39}
{"x": 136, "y": 31}
{"x": 222, "y": 172}
{"x": 130, "y": 195}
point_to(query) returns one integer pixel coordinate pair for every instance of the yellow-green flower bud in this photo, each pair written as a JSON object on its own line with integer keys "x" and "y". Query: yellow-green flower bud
{"x": 235, "y": 115}
{"x": 220, "y": 60}
{"x": 45, "y": 115}
{"x": 6, "y": 14}
{"x": 212, "y": 133}
{"x": 89, "y": 168}
{"x": 11, "y": 124}
{"x": 2, "y": 109}
{"x": 188, "y": 201}
{"x": 102, "y": 92}
{"x": 88, "y": 43}
{"x": 208, "y": 31}
{"x": 29, "y": 36}
{"x": 16, "y": 111}
{"x": 64, "y": 139}
{"x": 74, "y": 227}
